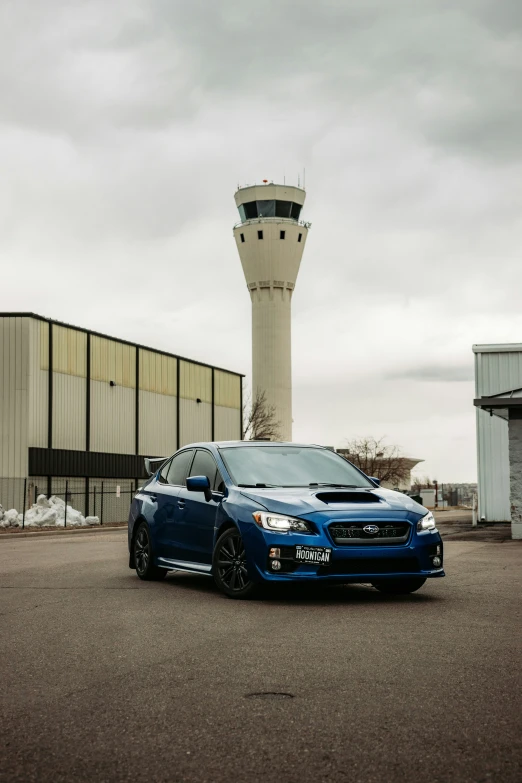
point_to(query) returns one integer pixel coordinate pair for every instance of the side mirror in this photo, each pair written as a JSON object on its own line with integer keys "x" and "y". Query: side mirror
{"x": 376, "y": 480}
{"x": 200, "y": 484}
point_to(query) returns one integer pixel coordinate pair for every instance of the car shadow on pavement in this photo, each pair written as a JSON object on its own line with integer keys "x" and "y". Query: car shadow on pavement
{"x": 311, "y": 593}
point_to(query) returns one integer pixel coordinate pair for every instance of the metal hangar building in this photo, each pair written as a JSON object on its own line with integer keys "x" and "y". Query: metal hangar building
{"x": 79, "y": 405}
{"x": 498, "y": 402}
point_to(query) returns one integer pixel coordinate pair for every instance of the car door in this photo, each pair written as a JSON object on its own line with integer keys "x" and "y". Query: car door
{"x": 170, "y": 482}
{"x": 195, "y": 518}
{"x": 163, "y": 498}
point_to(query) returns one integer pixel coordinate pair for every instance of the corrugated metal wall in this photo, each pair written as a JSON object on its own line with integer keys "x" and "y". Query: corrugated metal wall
{"x": 113, "y": 408}
{"x": 227, "y": 412}
{"x": 195, "y": 382}
{"x": 158, "y": 404}
{"x": 227, "y": 423}
{"x": 38, "y": 383}
{"x": 14, "y": 396}
{"x": 227, "y": 389}
{"x": 69, "y": 388}
{"x": 69, "y": 412}
{"x": 112, "y": 418}
{"x": 113, "y": 361}
{"x": 495, "y": 372}
{"x": 195, "y": 421}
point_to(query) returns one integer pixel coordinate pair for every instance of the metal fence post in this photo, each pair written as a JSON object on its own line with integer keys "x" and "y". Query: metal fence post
{"x": 101, "y": 505}
{"x": 66, "y": 493}
{"x": 94, "y": 512}
{"x": 25, "y": 497}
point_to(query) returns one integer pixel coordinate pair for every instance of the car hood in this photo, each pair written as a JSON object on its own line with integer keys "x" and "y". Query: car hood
{"x": 333, "y": 503}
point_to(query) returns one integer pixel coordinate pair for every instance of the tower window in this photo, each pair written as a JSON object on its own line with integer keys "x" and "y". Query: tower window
{"x": 282, "y": 208}
{"x": 242, "y": 237}
{"x": 299, "y": 238}
{"x": 296, "y": 211}
{"x": 260, "y": 235}
{"x": 250, "y": 210}
{"x": 282, "y": 234}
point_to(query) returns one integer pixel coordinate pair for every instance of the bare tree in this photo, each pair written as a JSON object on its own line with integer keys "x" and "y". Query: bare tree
{"x": 377, "y": 459}
{"x": 423, "y": 483}
{"x": 260, "y": 422}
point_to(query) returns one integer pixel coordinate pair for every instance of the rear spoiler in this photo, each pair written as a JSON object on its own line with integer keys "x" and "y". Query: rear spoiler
{"x": 153, "y": 464}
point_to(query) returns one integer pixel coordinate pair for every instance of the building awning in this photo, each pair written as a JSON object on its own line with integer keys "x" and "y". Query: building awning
{"x": 506, "y": 404}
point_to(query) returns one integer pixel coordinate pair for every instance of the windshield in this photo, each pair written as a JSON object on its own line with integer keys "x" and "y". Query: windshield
{"x": 290, "y": 466}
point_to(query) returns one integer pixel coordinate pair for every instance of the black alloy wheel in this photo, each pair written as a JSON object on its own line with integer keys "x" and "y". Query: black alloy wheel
{"x": 229, "y": 566}
{"x": 400, "y": 586}
{"x": 143, "y": 556}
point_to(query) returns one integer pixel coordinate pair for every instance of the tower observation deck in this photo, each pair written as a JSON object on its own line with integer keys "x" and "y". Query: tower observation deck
{"x": 270, "y": 240}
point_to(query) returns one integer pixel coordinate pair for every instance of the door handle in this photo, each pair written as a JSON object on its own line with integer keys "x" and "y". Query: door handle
{"x": 153, "y": 498}
{"x": 181, "y": 503}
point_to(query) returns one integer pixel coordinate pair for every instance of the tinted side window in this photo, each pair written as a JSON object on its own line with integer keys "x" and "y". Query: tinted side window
{"x": 163, "y": 473}
{"x": 204, "y": 465}
{"x": 179, "y": 468}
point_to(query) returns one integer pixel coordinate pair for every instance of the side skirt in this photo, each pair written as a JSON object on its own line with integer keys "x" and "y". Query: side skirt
{"x": 183, "y": 565}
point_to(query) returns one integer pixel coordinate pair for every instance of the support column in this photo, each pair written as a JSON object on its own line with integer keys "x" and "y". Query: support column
{"x": 515, "y": 466}
{"x": 272, "y": 353}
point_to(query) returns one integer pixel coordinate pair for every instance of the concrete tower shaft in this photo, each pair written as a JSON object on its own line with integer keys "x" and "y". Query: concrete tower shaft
{"x": 270, "y": 240}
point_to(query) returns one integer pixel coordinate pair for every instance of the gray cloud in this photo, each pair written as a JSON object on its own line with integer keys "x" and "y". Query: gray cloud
{"x": 434, "y": 372}
{"x": 451, "y": 72}
{"x": 124, "y": 131}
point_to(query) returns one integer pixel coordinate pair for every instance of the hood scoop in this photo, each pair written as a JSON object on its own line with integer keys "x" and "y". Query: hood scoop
{"x": 344, "y": 497}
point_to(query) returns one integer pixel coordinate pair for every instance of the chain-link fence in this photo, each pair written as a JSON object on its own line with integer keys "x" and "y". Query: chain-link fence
{"x": 70, "y": 501}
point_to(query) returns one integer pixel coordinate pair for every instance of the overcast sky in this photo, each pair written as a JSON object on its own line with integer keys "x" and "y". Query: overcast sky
{"x": 125, "y": 128}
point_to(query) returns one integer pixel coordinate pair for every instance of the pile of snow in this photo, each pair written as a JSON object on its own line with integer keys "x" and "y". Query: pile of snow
{"x": 46, "y": 513}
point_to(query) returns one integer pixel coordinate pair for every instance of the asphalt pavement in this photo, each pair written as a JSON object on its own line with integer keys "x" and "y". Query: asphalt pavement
{"x": 107, "y": 678}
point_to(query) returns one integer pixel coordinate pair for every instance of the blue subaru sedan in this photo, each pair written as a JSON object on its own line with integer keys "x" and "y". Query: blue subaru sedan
{"x": 251, "y": 513}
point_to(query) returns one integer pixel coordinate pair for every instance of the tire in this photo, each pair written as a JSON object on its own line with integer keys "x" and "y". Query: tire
{"x": 399, "y": 586}
{"x": 229, "y": 566}
{"x": 142, "y": 553}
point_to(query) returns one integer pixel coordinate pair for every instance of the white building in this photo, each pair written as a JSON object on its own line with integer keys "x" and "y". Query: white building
{"x": 498, "y": 399}
{"x": 270, "y": 240}
{"x": 81, "y": 406}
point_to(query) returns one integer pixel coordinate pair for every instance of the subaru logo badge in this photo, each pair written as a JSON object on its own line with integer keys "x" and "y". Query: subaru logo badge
{"x": 371, "y": 529}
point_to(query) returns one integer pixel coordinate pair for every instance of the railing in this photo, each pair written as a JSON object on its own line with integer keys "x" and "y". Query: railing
{"x": 273, "y": 219}
{"x": 72, "y": 502}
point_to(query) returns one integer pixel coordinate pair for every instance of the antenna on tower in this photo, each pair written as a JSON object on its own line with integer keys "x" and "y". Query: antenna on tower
{"x": 298, "y": 180}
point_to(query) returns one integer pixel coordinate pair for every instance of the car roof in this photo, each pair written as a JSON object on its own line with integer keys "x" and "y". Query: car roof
{"x": 236, "y": 443}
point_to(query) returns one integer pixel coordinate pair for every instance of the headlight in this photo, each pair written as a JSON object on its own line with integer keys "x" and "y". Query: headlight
{"x": 426, "y": 523}
{"x": 278, "y": 523}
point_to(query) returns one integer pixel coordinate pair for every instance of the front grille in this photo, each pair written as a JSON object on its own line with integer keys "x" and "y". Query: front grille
{"x": 353, "y": 533}
{"x": 366, "y": 565}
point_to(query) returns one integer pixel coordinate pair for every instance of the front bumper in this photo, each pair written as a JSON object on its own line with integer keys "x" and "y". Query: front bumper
{"x": 348, "y": 563}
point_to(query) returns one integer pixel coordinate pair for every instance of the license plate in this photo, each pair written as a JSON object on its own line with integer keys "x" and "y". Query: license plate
{"x": 312, "y": 554}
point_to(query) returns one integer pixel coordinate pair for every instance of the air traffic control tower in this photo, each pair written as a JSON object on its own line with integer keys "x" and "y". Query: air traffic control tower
{"x": 270, "y": 240}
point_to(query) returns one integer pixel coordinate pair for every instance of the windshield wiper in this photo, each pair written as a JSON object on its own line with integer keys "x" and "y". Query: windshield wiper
{"x": 259, "y": 486}
{"x": 327, "y": 484}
